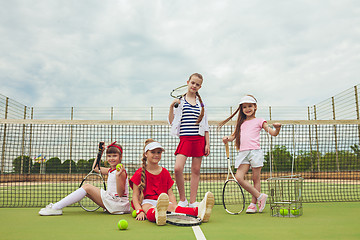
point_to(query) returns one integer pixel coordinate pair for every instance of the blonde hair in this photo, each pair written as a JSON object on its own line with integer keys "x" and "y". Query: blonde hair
{"x": 143, "y": 171}
{"x": 240, "y": 120}
{"x": 198, "y": 95}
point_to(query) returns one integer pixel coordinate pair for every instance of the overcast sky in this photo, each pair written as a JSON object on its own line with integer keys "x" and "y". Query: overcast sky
{"x": 91, "y": 53}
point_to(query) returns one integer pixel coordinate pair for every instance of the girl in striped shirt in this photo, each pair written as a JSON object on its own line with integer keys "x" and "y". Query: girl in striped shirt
{"x": 189, "y": 122}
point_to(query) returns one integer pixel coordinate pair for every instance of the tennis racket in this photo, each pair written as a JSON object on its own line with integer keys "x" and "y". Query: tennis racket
{"x": 233, "y": 195}
{"x": 95, "y": 179}
{"x": 181, "y": 219}
{"x": 179, "y": 93}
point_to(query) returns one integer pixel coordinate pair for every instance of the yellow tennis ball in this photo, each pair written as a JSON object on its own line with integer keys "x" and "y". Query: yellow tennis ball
{"x": 284, "y": 212}
{"x": 134, "y": 214}
{"x": 119, "y": 166}
{"x": 123, "y": 224}
{"x": 295, "y": 211}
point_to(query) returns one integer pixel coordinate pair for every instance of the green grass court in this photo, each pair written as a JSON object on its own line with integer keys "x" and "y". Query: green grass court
{"x": 339, "y": 220}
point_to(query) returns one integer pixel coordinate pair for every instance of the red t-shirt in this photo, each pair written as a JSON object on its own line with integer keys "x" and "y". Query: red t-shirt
{"x": 154, "y": 184}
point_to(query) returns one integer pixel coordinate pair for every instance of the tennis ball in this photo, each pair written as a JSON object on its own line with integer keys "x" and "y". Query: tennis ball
{"x": 295, "y": 211}
{"x": 284, "y": 212}
{"x": 119, "y": 166}
{"x": 134, "y": 214}
{"x": 123, "y": 224}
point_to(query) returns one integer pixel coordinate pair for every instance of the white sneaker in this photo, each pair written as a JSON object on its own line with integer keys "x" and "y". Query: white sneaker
{"x": 49, "y": 211}
{"x": 183, "y": 203}
{"x": 161, "y": 208}
{"x": 194, "y": 204}
{"x": 205, "y": 207}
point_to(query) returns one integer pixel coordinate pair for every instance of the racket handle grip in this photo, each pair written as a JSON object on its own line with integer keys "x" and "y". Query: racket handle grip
{"x": 227, "y": 150}
{"x": 176, "y": 105}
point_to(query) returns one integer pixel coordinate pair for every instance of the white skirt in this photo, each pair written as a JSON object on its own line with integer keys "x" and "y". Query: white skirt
{"x": 115, "y": 205}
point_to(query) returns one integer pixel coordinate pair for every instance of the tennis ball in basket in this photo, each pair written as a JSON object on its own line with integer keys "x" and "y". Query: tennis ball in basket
{"x": 295, "y": 211}
{"x": 118, "y": 166}
{"x": 284, "y": 212}
{"x": 123, "y": 224}
{"x": 134, "y": 214}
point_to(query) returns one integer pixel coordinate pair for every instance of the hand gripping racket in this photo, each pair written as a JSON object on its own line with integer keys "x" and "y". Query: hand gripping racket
{"x": 179, "y": 93}
{"x": 95, "y": 179}
{"x": 233, "y": 195}
{"x": 181, "y": 219}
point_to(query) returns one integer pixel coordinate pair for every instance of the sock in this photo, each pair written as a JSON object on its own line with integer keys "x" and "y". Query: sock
{"x": 187, "y": 210}
{"x": 259, "y": 196}
{"x": 70, "y": 199}
{"x": 150, "y": 215}
{"x": 253, "y": 204}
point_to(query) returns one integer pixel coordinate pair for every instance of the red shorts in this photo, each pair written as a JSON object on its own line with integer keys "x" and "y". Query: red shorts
{"x": 191, "y": 146}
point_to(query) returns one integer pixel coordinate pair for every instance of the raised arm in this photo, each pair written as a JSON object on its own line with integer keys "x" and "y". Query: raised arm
{"x": 120, "y": 181}
{"x": 271, "y": 131}
{"x": 229, "y": 138}
{"x": 171, "y": 110}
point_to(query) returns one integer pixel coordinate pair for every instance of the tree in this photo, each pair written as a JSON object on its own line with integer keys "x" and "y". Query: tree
{"x": 25, "y": 161}
{"x": 83, "y": 166}
{"x": 53, "y": 165}
{"x": 65, "y": 166}
{"x": 306, "y": 161}
{"x": 35, "y": 168}
{"x": 281, "y": 159}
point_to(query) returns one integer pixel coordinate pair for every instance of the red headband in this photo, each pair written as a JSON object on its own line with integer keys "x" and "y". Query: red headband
{"x": 113, "y": 145}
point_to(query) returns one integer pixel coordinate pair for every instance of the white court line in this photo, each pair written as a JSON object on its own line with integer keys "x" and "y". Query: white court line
{"x": 198, "y": 233}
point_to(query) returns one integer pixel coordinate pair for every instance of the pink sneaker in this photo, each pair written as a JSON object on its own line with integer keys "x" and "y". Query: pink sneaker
{"x": 251, "y": 209}
{"x": 262, "y": 201}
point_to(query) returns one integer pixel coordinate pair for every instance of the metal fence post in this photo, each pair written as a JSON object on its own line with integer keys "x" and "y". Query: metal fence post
{"x": 4, "y": 137}
{"x": 22, "y": 145}
{"x": 71, "y": 138}
{"x": 30, "y": 138}
{"x": 310, "y": 141}
{"x": 357, "y": 109}
{"x": 112, "y": 118}
{"x": 335, "y": 135}
{"x": 317, "y": 141}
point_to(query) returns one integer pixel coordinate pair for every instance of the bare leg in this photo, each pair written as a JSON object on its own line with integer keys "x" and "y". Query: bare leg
{"x": 240, "y": 176}
{"x": 179, "y": 175}
{"x": 195, "y": 177}
{"x": 256, "y": 179}
{"x": 94, "y": 194}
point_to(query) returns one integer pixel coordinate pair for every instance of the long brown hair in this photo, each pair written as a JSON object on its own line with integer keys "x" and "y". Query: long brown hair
{"x": 198, "y": 95}
{"x": 240, "y": 120}
{"x": 143, "y": 171}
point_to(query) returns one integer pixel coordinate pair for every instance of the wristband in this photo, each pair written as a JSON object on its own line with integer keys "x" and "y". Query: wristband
{"x": 139, "y": 211}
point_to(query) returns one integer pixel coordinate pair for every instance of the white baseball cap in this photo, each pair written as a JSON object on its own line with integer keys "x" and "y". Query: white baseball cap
{"x": 247, "y": 99}
{"x": 152, "y": 146}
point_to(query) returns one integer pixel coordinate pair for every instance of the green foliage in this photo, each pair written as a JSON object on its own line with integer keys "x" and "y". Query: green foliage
{"x": 306, "y": 161}
{"x": 35, "y": 168}
{"x": 53, "y": 165}
{"x": 25, "y": 161}
{"x": 65, "y": 167}
{"x": 343, "y": 160}
{"x": 281, "y": 159}
{"x": 83, "y": 166}
{"x": 313, "y": 161}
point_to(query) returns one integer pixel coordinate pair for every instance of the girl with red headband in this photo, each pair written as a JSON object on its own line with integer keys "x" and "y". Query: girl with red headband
{"x": 114, "y": 200}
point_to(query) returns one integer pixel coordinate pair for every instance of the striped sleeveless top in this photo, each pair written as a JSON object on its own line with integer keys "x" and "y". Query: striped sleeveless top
{"x": 190, "y": 114}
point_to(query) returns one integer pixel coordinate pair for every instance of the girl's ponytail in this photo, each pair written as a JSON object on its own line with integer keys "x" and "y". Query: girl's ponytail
{"x": 202, "y": 109}
{"x": 143, "y": 172}
{"x": 241, "y": 118}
